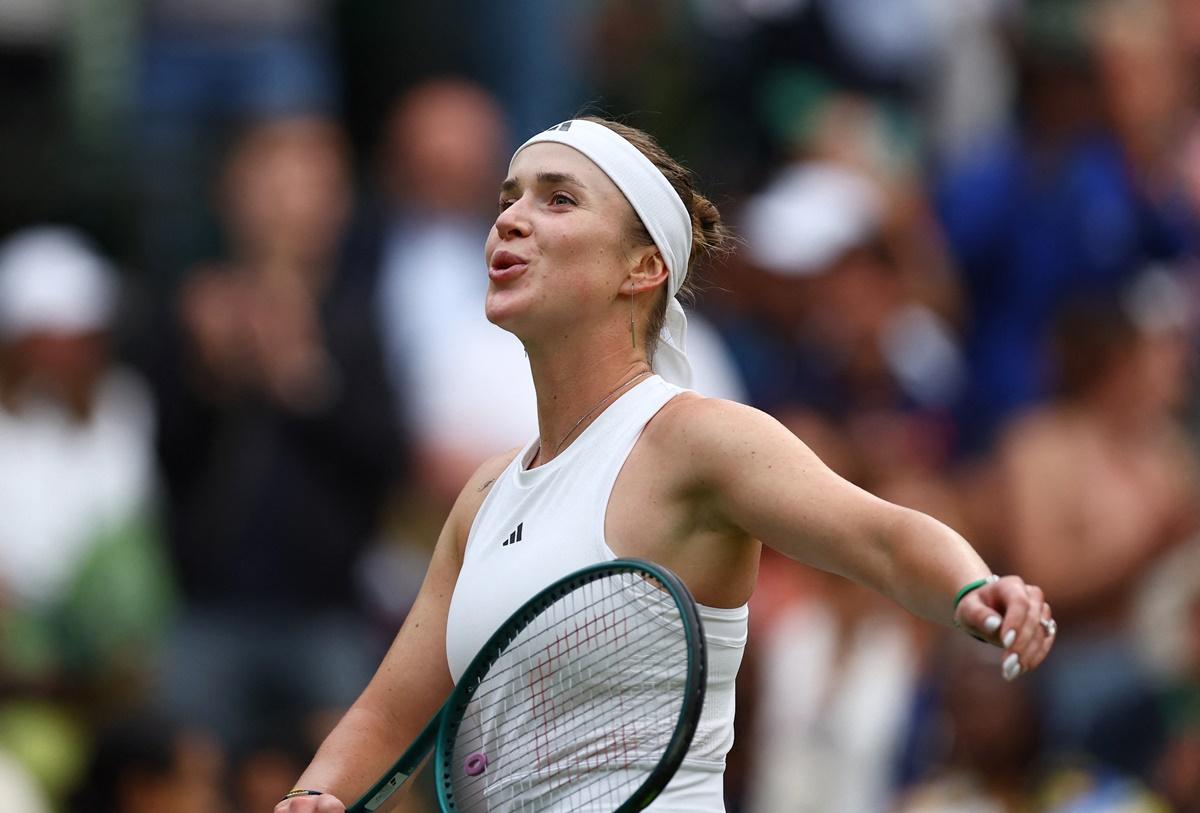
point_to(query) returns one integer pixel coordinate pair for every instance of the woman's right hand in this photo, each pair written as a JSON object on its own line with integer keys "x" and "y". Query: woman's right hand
{"x": 324, "y": 803}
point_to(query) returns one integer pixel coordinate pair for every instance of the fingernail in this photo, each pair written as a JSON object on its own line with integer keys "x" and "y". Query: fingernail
{"x": 991, "y": 624}
{"x": 1009, "y": 637}
{"x": 1011, "y": 667}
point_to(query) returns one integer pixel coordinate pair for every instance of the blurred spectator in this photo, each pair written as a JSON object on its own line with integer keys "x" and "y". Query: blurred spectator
{"x": 1050, "y": 211}
{"x": 82, "y": 579}
{"x": 970, "y": 89}
{"x": 831, "y": 321}
{"x": 206, "y": 68}
{"x": 84, "y": 586}
{"x": 1150, "y": 53}
{"x": 278, "y": 443}
{"x": 837, "y": 669}
{"x": 982, "y": 739}
{"x": 469, "y": 391}
{"x": 1156, "y": 733}
{"x": 985, "y": 740}
{"x": 1147, "y": 90}
{"x": 1097, "y": 485}
{"x": 145, "y": 764}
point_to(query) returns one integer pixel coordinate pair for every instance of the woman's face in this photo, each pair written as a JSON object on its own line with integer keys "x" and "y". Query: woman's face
{"x": 558, "y": 251}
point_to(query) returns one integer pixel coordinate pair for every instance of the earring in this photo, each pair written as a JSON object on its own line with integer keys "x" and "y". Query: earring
{"x": 632, "y": 329}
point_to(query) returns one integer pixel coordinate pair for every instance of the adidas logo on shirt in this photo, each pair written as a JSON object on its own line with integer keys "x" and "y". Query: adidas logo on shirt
{"x": 514, "y": 537}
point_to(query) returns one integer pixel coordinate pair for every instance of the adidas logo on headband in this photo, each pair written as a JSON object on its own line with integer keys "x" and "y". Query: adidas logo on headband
{"x": 563, "y": 127}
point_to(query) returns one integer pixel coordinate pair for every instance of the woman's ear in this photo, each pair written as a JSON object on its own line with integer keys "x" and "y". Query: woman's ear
{"x": 649, "y": 272}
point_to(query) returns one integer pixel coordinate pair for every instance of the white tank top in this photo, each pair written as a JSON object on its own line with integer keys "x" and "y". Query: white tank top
{"x": 538, "y": 525}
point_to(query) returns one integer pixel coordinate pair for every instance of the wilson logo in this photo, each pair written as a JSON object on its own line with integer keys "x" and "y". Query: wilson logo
{"x": 515, "y": 536}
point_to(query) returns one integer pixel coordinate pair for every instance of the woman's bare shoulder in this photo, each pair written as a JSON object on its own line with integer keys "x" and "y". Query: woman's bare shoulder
{"x": 692, "y": 426}
{"x": 485, "y": 476}
{"x": 478, "y": 486}
{"x": 690, "y": 412}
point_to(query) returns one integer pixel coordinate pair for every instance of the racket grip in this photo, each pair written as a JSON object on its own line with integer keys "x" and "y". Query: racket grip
{"x": 399, "y": 773}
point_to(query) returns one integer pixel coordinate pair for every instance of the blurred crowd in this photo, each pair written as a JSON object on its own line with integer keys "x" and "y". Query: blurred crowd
{"x": 244, "y": 369}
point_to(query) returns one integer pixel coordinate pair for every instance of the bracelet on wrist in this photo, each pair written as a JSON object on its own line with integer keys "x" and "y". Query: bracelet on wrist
{"x": 292, "y": 794}
{"x": 975, "y": 585}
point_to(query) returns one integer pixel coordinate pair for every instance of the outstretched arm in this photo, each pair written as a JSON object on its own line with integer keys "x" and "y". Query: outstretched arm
{"x": 764, "y": 480}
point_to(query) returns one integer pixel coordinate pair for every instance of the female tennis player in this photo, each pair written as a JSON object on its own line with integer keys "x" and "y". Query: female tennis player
{"x": 596, "y": 232}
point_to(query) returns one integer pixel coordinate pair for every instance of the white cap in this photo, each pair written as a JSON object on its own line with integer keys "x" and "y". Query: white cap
{"x": 52, "y": 280}
{"x": 1159, "y": 301}
{"x": 808, "y": 217}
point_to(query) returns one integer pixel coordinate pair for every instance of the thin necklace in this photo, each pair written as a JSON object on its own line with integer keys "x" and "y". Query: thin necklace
{"x": 592, "y": 411}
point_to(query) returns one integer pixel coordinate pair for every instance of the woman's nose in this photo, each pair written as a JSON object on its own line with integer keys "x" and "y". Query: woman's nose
{"x": 513, "y": 221}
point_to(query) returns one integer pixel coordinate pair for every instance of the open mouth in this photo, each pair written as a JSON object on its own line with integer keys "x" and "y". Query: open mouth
{"x": 506, "y": 265}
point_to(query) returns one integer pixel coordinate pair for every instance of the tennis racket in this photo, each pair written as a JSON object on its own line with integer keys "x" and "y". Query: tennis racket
{"x": 586, "y": 699}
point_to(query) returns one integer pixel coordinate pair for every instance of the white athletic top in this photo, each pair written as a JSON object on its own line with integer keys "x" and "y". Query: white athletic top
{"x": 538, "y": 525}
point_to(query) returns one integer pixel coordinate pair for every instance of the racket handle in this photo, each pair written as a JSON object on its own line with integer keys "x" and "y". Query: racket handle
{"x": 400, "y": 771}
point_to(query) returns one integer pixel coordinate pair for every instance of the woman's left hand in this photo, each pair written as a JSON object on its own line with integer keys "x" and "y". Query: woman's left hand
{"x": 1010, "y": 614}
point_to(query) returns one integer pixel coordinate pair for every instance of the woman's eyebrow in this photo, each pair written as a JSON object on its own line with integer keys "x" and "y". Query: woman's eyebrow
{"x": 512, "y": 185}
{"x": 556, "y": 178}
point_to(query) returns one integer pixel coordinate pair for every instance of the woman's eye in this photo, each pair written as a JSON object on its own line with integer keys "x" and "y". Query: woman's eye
{"x": 504, "y": 203}
{"x": 561, "y": 199}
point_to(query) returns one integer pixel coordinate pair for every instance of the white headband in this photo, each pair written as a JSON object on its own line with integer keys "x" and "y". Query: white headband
{"x": 662, "y": 213}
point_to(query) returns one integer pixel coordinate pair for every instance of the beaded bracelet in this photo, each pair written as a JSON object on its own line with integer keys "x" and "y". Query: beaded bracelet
{"x": 975, "y": 585}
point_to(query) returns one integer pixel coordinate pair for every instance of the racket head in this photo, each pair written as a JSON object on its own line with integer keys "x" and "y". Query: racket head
{"x": 599, "y": 679}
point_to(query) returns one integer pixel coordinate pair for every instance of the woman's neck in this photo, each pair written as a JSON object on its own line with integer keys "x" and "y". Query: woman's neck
{"x": 572, "y": 393}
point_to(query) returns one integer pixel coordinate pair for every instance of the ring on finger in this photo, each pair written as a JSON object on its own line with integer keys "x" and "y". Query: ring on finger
{"x": 1050, "y": 626}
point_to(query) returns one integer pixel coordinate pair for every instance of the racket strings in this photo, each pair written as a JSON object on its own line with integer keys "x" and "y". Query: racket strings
{"x": 584, "y": 667}
{"x": 547, "y": 642}
{"x": 602, "y": 622}
{"x": 499, "y": 678}
{"x": 580, "y": 706}
{"x": 607, "y": 754}
{"x": 627, "y": 696}
{"x": 595, "y": 761}
{"x": 614, "y": 769}
{"x": 625, "y": 699}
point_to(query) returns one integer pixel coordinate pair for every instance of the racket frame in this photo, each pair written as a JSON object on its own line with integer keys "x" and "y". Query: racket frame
{"x": 440, "y": 731}
{"x": 694, "y": 685}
